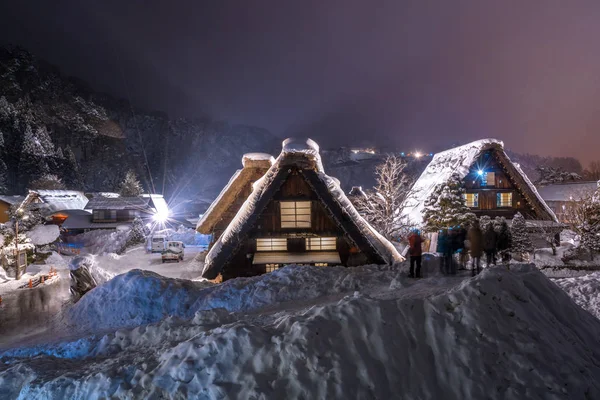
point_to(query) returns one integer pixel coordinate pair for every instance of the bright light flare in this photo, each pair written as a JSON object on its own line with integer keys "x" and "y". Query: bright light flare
{"x": 418, "y": 154}
{"x": 480, "y": 172}
{"x": 161, "y": 217}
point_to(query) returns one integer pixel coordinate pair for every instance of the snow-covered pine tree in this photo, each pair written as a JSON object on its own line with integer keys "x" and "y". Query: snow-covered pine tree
{"x": 130, "y": 187}
{"x": 36, "y": 151}
{"x": 521, "y": 241}
{"x": 3, "y": 168}
{"x": 589, "y": 226}
{"x": 137, "y": 234}
{"x": 446, "y": 207}
{"x": 72, "y": 174}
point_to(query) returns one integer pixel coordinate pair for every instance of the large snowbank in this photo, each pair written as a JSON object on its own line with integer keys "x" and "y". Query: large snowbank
{"x": 141, "y": 297}
{"x": 503, "y": 334}
{"x": 585, "y": 290}
{"x": 43, "y": 234}
{"x": 102, "y": 241}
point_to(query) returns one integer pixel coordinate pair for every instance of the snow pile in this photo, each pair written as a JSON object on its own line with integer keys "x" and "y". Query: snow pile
{"x": 102, "y": 241}
{"x": 504, "y": 334}
{"x": 43, "y": 234}
{"x": 100, "y": 275}
{"x": 141, "y": 297}
{"x": 585, "y": 290}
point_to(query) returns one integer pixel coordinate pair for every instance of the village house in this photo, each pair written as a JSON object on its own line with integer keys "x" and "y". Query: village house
{"x": 296, "y": 214}
{"x": 561, "y": 196}
{"x": 222, "y": 210}
{"x": 494, "y": 185}
{"x": 6, "y": 202}
{"x": 110, "y": 210}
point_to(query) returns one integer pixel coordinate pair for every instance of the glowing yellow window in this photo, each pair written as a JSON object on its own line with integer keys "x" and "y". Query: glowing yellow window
{"x": 472, "y": 200}
{"x": 321, "y": 243}
{"x": 504, "y": 199}
{"x": 271, "y": 244}
{"x": 295, "y": 214}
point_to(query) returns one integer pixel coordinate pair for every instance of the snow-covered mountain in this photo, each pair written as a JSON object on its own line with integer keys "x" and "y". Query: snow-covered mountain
{"x": 53, "y": 124}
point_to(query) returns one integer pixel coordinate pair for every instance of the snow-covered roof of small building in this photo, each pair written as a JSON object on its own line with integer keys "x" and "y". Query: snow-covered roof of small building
{"x": 254, "y": 166}
{"x": 118, "y": 203}
{"x": 567, "y": 191}
{"x": 304, "y": 153}
{"x": 59, "y": 200}
{"x": 460, "y": 160}
{"x": 159, "y": 203}
{"x": 12, "y": 200}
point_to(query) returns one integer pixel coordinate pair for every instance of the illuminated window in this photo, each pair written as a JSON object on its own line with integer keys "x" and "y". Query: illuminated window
{"x": 321, "y": 243}
{"x": 321, "y": 264}
{"x": 271, "y": 244}
{"x": 295, "y": 214}
{"x": 504, "y": 199}
{"x": 488, "y": 179}
{"x": 472, "y": 200}
{"x": 272, "y": 267}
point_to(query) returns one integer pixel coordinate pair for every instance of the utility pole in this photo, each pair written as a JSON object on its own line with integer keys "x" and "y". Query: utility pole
{"x": 19, "y": 213}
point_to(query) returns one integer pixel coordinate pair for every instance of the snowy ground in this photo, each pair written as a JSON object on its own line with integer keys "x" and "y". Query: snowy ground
{"x": 310, "y": 332}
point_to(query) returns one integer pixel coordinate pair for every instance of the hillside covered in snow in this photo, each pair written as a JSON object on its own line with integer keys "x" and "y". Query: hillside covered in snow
{"x": 310, "y": 332}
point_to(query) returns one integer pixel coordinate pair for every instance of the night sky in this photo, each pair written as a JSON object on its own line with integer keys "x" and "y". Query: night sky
{"x": 416, "y": 74}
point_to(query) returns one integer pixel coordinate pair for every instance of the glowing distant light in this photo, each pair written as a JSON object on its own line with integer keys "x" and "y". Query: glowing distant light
{"x": 402, "y": 154}
{"x": 418, "y": 154}
{"x": 480, "y": 172}
{"x": 161, "y": 216}
{"x": 430, "y": 154}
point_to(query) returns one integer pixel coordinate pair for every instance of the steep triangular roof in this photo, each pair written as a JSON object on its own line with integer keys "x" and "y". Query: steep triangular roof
{"x": 460, "y": 160}
{"x": 303, "y": 154}
{"x": 254, "y": 166}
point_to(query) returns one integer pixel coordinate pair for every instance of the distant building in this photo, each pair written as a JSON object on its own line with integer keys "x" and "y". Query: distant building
{"x": 6, "y": 202}
{"x": 295, "y": 214}
{"x": 560, "y": 196}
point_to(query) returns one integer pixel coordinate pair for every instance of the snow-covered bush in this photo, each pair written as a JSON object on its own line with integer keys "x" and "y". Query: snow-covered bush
{"x": 521, "y": 241}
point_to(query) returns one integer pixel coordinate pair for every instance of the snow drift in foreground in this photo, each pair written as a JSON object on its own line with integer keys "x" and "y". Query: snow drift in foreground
{"x": 501, "y": 335}
{"x": 141, "y": 297}
{"x": 585, "y": 290}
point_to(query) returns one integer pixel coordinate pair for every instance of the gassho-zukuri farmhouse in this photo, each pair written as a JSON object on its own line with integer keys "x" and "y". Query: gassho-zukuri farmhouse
{"x": 293, "y": 214}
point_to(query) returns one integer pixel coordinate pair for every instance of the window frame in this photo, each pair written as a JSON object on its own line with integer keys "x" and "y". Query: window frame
{"x": 271, "y": 244}
{"x": 500, "y": 203}
{"x": 286, "y": 222}
{"x": 325, "y": 243}
{"x": 475, "y": 199}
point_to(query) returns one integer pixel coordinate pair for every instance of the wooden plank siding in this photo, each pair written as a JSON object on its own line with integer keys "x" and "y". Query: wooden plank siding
{"x": 473, "y": 183}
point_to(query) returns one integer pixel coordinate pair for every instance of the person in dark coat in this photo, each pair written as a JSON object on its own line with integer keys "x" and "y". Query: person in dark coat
{"x": 451, "y": 248}
{"x": 504, "y": 241}
{"x": 442, "y": 248}
{"x": 490, "y": 244}
{"x": 475, "y": 237}
{"x": 415, "y": 250}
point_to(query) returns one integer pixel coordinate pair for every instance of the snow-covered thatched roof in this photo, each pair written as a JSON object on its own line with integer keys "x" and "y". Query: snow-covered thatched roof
{"x": 304, "y": 154}
{"x": 12, "y": 200}
{"x": 255, "y": 165}
{"x": 460, "y": 160}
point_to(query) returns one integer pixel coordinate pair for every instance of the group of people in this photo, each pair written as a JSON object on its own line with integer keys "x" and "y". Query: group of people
{"x": 475, "y": 242}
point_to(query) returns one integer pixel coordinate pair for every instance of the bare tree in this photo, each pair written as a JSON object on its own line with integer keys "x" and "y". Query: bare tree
{"x": 382, "y": 205}
{"x": 593, "y": 171}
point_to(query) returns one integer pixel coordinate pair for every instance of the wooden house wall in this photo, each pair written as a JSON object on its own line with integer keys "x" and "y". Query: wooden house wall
{"x": 4, "y": 209}
{"x": 488, "y": 194}
{"x": 295, "y": 188}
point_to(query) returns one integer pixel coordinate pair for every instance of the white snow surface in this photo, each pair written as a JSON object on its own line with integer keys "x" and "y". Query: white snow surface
{"x": 101, "y": 241}
{"x": 457, "y": 160}
{"x": 585, "y": 290}
{"x": 257, "y": 157}
{"x": 501, "y": 335}
{"x": 100, "y": 275}
{"x": 387, "y": 251}
{"x": 43, "y": 234}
